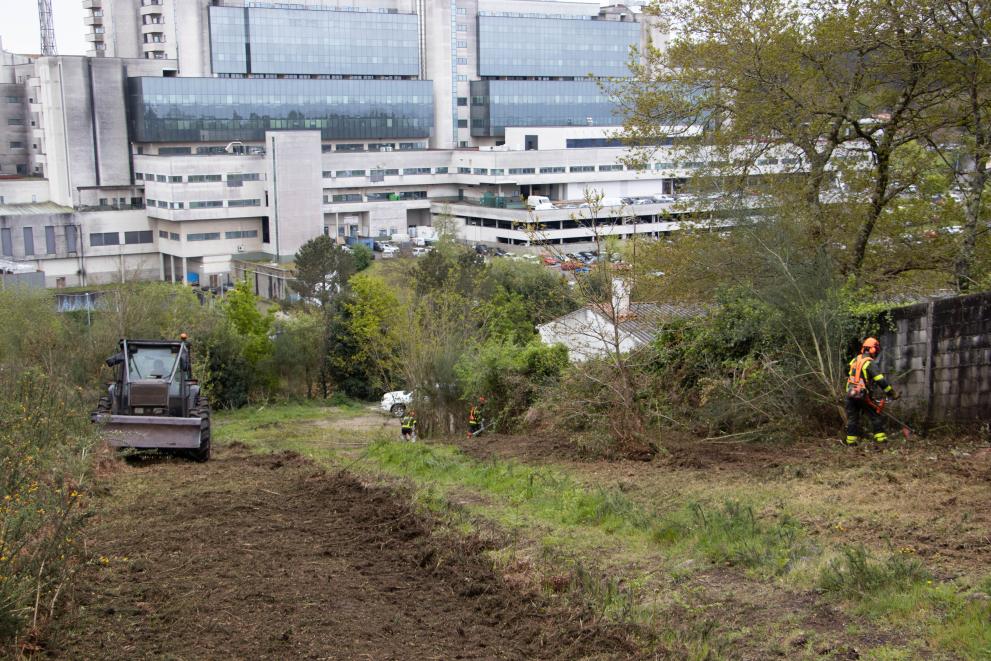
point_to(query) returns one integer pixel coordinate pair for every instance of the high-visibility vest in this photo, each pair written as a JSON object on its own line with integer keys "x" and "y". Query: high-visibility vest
{"x": 857, "y": 384}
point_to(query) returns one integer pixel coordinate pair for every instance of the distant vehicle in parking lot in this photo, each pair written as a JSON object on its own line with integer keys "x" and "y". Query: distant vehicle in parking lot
{"x": 663, "y": 199}
{"x": 549, "y": 260}
{"x": 418, "y": 252}
{"x": 499, "y": 252}
{"x": 389, "y": 250}
{"x": 533, "y": 201}
{"x": 571, "y": 265}
{"x": 643, "y": 200}
{"x": 481, "y": 249}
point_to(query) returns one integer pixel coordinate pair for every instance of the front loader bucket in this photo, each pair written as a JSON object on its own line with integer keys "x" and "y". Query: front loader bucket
{"x": 149, "y": 431}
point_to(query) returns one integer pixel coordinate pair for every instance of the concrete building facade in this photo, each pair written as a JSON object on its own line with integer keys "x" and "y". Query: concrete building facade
{"x": 199, "y": 132}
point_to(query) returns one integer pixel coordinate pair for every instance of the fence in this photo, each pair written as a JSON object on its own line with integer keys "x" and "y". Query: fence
{"x": 939, "y": 355}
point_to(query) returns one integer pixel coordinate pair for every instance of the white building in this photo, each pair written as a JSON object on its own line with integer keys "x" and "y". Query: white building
{"x": 206, "y": 130}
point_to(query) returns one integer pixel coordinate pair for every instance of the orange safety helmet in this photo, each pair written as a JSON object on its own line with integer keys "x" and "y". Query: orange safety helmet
{"x": 871, "y": 346}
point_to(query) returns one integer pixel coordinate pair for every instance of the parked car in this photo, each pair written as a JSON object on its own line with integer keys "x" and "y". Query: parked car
{"x": 664, "y": 199}
{"x": 549, "y": 260}
{"x": 499, "y": 252}
{"x": 571, "y": 265}
{"x": 389, "y": 250}
{"x": 396, "y": 402}
{"x": 533, "y": 201}
{"x": 418, "y": 252}
{"x": 481, "y": 249}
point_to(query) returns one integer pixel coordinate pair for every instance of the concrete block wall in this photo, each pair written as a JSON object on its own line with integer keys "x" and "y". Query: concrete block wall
{"x": 939, "y": 355}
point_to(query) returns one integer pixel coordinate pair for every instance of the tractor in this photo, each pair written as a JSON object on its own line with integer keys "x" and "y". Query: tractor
{"x": 154, "y": 402}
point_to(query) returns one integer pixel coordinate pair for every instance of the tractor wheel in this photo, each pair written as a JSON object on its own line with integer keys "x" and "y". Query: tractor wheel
{"x": 398, "y": 410}
{"x": 202, "y": 411}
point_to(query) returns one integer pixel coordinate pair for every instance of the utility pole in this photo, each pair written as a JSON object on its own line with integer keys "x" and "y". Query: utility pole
{"x": 47, "y": 28}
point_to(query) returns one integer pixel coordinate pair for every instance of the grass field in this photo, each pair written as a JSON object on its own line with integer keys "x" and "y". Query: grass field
{"x": 800, "y": 551}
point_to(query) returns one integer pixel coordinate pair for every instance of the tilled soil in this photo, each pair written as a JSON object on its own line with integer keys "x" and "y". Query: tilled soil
{"x": 270, "y": 557}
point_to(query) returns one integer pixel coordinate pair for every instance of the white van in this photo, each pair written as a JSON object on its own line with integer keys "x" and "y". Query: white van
{"x": 534, "y": 200}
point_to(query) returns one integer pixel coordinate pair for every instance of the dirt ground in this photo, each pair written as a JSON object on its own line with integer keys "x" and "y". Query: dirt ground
{"x": 928, "y": 497}
{"x": 268, "y": 556}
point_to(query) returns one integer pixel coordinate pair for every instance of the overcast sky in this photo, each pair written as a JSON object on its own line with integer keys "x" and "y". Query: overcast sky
{"x": 19, "y": 26}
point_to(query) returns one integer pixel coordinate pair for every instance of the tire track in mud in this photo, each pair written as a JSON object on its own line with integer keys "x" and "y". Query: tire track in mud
{"x": 269, "y": 556}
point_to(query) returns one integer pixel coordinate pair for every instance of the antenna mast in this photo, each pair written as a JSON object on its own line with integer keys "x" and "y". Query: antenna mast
{"x": 47, "y": 27}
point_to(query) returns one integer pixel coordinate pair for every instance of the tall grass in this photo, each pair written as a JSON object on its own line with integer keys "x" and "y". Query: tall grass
{"x": 45, "y": 440}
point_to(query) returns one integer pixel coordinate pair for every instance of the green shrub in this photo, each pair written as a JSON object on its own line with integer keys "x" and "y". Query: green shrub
{"x": 45, "y": 440}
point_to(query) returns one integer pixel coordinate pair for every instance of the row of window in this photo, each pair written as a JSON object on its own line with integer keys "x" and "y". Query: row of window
{"x": 376, "y": 197}
{"x": 7, "y": 243}
{"x": 203, "y": 204}
{"x": 113, "y": 238}
{"x": 198, "y": 178}
{"x": 210, "y": 236}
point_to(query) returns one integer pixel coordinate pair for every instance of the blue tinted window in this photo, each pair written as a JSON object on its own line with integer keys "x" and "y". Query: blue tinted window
{"x": 313, "y": 41}
{"x": 217, "y": 109}
{"x": 497, "y": 104}
{"x": 529, "y": 46}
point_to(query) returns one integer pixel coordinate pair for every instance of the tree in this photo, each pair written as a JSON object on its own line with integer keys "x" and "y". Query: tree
{"x": 322, "y": 270}
{"x": 809, "y": 86}
{"x": 373, "y": 315}
{"x": 962, "y": 35}
{"x": 298, "y": 350}
{"x": 362, "y": 256}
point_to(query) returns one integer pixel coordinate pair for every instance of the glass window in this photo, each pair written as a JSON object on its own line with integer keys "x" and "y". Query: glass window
{"x": 6, "y": 243}
{"x": 151, "y": 362}
{"x": 241, "y": 234}
{"x": 462, "y": 11}
{"x": 186, "y": 109}
{"x": 71, "y": 238}
{"x": 462, "y": 60}
{"x": 440, "y": 170}
{"x": 244, "y": 203}
{"x": 416, "y": 170}
{"x": 206, "y": 204}
{"x": 142, "y": 236}
{"x": 462, "y": 123}
{"x": 50, "y": 239}
{"x": 324, "y": 41}
{"x": 104, "y": 239}
{"x": 347, "y": 197}
{"x": 462, "y": 101}
{"x": 203, "y": 236}
{"x": 554, "y": 169}
{"x": 162, "y": 234}
{"x": 173, "y": 236}
{"x": 546, "y": 46}
{"x": 202, "y": 178}
{"x": 497, "y": 104}
{"x": 175, "y": 179}
{"x": 28, "y": 241}
{"x": 350, "y": 173}
{"x": 616, "y": 167}
{"x": 462, "y": 43}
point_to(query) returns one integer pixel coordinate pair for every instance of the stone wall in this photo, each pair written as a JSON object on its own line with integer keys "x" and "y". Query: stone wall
{"x": 938, "y": 355}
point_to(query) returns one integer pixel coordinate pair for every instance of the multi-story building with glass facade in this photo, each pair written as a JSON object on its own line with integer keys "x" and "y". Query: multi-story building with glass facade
{"x": 200, "y": 130}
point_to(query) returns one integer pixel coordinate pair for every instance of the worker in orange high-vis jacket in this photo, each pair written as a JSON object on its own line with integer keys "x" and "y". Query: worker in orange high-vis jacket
{"x": 865, "y": 377}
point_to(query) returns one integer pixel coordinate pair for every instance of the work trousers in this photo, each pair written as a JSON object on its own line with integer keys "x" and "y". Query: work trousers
{"x": 854, "y": 407}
